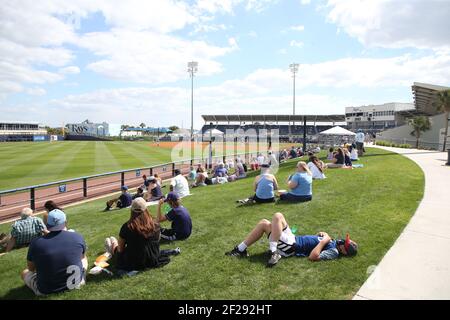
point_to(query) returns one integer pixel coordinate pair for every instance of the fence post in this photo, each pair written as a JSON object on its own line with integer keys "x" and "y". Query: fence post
{"x": 224, "y": 159}
{"x": 192, "y": 162}
{"x": 32, "y": 200}
{"x": 85, "y": 187}
{"x": 122, "y": 179}
{"x": 173, "y": 169}
{"x": 151, "y": 172}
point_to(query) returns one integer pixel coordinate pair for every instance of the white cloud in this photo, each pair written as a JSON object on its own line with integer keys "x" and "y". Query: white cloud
{"x": 297, "y": 28}
{"x": 305, "y": 2}
{"x": 36, "y": 91}
{"x": 70, "y": 70}
{"x": 393, "y": 24}
{"x": 148, "y": 57}
{"x": 295, "y": 43}
{"x": 282, "y": 51}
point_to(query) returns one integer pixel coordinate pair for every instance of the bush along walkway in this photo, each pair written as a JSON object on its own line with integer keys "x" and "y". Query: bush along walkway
{"x": 418, "y": 264}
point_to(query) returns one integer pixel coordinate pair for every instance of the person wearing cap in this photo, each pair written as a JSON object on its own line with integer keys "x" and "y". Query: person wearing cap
{"x": 359, "y": 139}
{"x": 283, "y": 243}
{"x": 154, "y": 189}
{"x": 23, "y": 231}
{"x": 179, "y": 216}
{"x": 123, "y": 201}
{"x": 264, "y": 186}
{"x": 138, "y": 245}
{"x": 220, "y": 171}
{"x": 300, "y": 185}
{"x": 179, "y": 184}
{"x": 56, "y": 261}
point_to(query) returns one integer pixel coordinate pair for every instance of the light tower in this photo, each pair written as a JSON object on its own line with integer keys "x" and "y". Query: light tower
{"x": 192, "y": 69}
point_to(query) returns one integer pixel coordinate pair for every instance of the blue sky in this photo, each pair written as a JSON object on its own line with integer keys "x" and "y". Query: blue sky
{"x": 125, "y": 62}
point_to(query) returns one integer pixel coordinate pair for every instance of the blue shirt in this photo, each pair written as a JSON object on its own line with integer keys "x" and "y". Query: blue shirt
{"x": 125, "y": 200}
{"x": 265, "y": 188}
{"x": 192, "y": 175}
{"x": 220, "y": 172}
{"x": 181, "y": 222}
{"x": 304, "y": 245}
{"x": 52, "y": 256}
{"x": 304, "y": 184}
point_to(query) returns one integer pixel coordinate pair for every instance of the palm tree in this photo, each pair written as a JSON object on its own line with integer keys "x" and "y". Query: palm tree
{"x": 420, "y": 124}
{"x": 442, "y": 104}
{"x": 142, "y": 125}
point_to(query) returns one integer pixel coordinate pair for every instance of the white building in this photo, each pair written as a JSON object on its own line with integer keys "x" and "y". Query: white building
{"x": 376, "y": 118}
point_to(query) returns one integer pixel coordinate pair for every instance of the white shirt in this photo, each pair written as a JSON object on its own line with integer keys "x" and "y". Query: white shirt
{"x": 180, "y": 186}
{"x": 360, "y": 137}
{"x": 316, "y": 174}
{"x": 354, "y": 154}
{"x": 260, "y": 160}
{"x": 273, "y": 160}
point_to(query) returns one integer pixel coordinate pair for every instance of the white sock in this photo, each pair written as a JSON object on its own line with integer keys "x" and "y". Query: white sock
{"x": 273, "y": 246}
{"x": 242, "y": 246}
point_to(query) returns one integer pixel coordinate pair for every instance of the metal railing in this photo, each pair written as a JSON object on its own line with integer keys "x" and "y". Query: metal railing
{"x": 412, "y": 142}
{"x": 77, "y": 189}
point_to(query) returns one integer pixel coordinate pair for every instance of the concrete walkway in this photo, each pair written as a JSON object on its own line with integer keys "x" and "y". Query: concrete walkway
{"x": 418, "y": 264}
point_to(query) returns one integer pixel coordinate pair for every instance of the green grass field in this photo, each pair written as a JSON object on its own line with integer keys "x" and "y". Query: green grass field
{"x": 373, "y": 204}
{"x": 25, "y": 164}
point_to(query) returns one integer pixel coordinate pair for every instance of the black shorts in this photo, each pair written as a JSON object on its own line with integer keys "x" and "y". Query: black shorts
{"x": 293, "y": 198}
{"x": 168, "y": 234}
{"x": 259, "y": 200}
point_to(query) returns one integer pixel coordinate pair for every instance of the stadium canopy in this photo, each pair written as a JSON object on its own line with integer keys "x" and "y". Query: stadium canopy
{"x": 214, "y": 132}
{"x": 273, "y": 118}
{"x": 337, "y": 131}
{"x": 424, "y": 96}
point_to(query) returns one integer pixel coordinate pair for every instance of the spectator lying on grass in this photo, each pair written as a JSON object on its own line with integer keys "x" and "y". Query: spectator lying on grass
{"x": 123, "y": 201}
{"x": 138, "y": 244}
{"x": 264, "y": 186}
{"x": 300, "y": 185}
{"x": 56, "y": 261}
{"x": 283, "y": 243}
{"x": 23, "y": 231}
{"x": 179, "y": 216}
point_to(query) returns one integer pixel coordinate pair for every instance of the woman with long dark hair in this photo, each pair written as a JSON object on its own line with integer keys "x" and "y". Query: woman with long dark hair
{"x": 138, "y": 244}
{"x": 316, "y": 167}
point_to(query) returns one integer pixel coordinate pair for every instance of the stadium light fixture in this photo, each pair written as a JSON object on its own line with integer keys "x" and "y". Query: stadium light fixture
{"x": 294, "y": 69}
{"x": 192, "y": 69}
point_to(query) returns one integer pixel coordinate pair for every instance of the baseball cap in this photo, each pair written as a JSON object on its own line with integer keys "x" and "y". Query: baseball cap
{"x": 138, "y": 204}
{"x": 171, "y": 196}
{"x": 56, "y": 220}
{"x": 124, "y": 188}
{"x": 350, "y": 246}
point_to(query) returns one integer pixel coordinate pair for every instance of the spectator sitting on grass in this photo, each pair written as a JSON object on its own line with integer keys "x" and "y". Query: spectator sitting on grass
{"x": 254, "y": 164}
{"x": 158, "y": 180}
{"x": 139, "y": 193}
{"x": 265, "y": 185}
{"x": 123, "y": 201}
{"x": 293, "y": 153}
{"x": 179, "y": 216}
{"x": 202, "y": 179}
{"x": 282, "y": 242}
{"x": 23, "y": 231}
{"x": 138, "y": 244}
{"x": 146, "y": 183}
{"x": 353, "y": 152}
{"x": 300, "y": 185}
{"x": 220, "y": 171}
{"x": 56, "y": 261}
{"x": 240, "y": 170}
{"x": 155, "y": 192}
{"x": 192, "y": 174}
{"x": 331, "y": 153}
{"x": 179, "y": 185}
{"x": 339, "y": 159}
{"x": 317, "y": 168}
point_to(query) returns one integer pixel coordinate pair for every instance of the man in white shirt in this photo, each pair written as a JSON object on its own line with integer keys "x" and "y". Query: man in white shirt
{"x": 360, "y": 142}
{"x": 179, "y": 184}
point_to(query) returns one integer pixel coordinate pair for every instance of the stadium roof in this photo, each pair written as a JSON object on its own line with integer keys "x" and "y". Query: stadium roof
{"x": 274, "y": 118}
{"x": 424, "y": 96}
